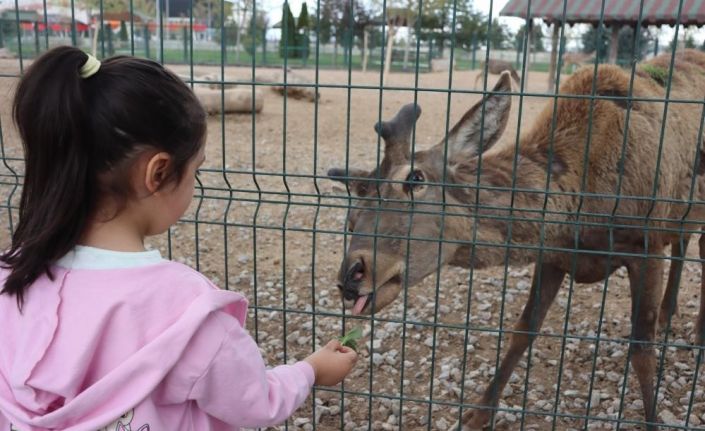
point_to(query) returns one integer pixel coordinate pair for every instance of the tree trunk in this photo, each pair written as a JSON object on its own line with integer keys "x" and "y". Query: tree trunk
{"x": 234, "y": 100}
{"x": 552, "y": 67}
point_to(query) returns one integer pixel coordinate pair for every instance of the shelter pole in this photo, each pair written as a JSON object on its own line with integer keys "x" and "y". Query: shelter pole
{"x": 529, "y": 30}
{"x": 552, "y": 69}
{"x": 614, "y": 43}
{"x": 365, "y": 36}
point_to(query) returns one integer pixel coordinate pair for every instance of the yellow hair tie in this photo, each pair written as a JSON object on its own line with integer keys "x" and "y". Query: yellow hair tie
{"x": 90, "y": 67}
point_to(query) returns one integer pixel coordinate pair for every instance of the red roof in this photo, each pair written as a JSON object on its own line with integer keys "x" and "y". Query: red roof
{"x": 654, "y": 12}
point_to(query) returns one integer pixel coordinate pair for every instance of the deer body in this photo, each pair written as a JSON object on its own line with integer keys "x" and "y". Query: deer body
{"x": 496, "y": 67}
{"x": 598, "y": 216}
{"x": 576, "y": 59}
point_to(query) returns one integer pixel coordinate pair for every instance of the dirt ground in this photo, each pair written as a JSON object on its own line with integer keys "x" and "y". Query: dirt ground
{"x": 266, "y": 223}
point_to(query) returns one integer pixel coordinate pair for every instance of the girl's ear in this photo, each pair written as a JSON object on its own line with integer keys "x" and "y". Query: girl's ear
{"x": 157, "y": 172}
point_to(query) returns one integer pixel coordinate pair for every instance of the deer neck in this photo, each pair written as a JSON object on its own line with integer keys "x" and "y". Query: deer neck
{"x": 508, "y": 213}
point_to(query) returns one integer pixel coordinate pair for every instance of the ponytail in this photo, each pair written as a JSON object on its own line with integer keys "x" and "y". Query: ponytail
{"x": 74, "y": 130}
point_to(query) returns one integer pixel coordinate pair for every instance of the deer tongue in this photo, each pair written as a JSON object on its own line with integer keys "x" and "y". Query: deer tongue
{"x": 359, "y": 304}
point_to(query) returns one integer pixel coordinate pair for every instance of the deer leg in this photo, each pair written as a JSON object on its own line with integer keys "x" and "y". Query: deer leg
{"x": 669, "y": 303}
{"x": 540, "y": 299}
{"x": 700, "y": 327}
{"x": 645, "y": 279}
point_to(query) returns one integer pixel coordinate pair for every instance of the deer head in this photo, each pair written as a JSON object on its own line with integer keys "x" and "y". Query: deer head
{"x": 396, "y": 223}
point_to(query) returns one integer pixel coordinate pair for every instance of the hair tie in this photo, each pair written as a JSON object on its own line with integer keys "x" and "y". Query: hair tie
{"x": 90, "y": 67}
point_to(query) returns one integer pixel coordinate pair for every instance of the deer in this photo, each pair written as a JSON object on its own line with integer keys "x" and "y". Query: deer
{"x": 496, "y": 67}
{"x": 625, "y": 212}
{"x": 571, "y": 60}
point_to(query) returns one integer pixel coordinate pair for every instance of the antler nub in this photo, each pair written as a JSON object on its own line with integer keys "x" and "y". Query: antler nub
{"x": 399, "y": 128}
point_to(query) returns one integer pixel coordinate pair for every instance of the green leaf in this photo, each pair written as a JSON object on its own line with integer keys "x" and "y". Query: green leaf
{"x": 350, "y": 339}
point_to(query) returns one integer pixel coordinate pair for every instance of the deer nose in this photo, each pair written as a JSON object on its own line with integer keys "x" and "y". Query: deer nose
{"x": 351, "y": 279}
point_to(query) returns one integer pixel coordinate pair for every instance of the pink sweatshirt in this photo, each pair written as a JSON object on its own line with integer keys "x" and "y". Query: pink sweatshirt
{"x": 128, "y": 341}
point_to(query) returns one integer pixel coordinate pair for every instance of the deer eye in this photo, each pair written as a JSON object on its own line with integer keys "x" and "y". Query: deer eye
{"x": 414, "y": 180}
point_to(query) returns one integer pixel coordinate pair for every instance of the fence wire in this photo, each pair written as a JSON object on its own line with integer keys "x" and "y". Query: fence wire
{"x": 268, "y": 220}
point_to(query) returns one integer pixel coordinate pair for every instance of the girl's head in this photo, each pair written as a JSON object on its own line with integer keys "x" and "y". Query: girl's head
{"x": 83, "y": 138}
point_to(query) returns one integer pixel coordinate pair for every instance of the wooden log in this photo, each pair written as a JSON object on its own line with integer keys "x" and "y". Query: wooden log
{"x": 237, "y": 100}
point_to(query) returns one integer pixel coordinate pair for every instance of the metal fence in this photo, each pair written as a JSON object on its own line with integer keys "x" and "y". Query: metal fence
{"x": 268, "y": 221}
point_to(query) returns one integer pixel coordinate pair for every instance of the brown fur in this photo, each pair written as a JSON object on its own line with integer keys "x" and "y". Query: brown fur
{"x": 617, "y": 192}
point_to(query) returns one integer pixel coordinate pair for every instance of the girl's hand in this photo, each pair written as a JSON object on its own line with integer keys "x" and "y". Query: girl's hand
{"x": 332, "y": 363}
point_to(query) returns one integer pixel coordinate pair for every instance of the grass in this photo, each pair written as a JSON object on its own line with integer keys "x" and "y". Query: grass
{"x": 658, "y": 74}
{"x": 326, "y": 60}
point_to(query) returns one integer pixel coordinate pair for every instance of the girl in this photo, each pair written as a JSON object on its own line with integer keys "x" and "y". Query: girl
{"x": 98, "y": 333}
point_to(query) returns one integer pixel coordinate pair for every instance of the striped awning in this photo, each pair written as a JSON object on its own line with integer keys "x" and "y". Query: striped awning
{"x": 652, "y": 12}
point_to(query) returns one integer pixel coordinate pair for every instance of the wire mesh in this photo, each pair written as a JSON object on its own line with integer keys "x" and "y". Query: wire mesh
{"x": 268, "y": 221}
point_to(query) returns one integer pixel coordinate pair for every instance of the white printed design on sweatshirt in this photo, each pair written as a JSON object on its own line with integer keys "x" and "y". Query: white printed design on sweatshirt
{"x": 123, "y": 423}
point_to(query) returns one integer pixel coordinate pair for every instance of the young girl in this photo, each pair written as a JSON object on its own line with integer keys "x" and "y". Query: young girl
{"x": 98, "y": 333}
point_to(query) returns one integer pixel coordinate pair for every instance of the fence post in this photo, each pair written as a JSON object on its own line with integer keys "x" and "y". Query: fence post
{"x": 2, "y": 33}
{"x": 264, "y": 47}
{"x": 111, "y": 47}
{"x": 146, "y": 40}
{"x": 656, "y": 47}
{"x": 474, "y": 50}
{"x": 185, "y": 34}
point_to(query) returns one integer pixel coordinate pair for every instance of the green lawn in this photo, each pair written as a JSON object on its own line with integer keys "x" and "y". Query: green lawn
{"x": 270, "y": 58}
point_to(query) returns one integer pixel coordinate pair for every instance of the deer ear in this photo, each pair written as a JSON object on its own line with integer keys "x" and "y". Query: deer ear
{"x": 345, "y": 177}
{"x": 480, "y": 128}
{"x": 353, "y": 178}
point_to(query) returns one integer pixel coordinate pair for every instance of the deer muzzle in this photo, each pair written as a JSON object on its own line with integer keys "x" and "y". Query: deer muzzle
{"x": 369, "y": 281}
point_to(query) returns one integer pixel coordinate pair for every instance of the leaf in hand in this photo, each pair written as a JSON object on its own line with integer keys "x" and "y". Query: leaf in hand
{"x": 350, "y": 339}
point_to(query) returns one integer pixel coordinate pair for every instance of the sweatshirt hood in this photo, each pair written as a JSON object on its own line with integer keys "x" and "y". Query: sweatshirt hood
{"x": 80, "y": 393}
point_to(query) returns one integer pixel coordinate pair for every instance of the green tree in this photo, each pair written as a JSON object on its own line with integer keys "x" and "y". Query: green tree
{"x": 123, "y": 31}
{"x": 214, "y": 12}
{"x": 537, "y": 38}
{"x": 303, "y": 41}
{"x": 231, "y": 37}
{"x": 324, "y": 26}
{"x": 689, "y": 42}
{"x": 304, "y": 22}
{"x": 254, "y": 37}
{"x": 287, "y": 42}
{"x": 599, "y": 41}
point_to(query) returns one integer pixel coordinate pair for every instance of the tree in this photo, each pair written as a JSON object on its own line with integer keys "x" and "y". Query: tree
{"x": 231, "y": 34}
{"x": 304, "y": 23}
{"x": 287, "y": 42}
{"x": 499, "y": 35}
{"x": 537, "y": 36}
{"x": 324, "y": 26}
{"x": 123, "y": 31}
{"x": 254, "y": 37}
{"x": 591, "y": 42}
{"x": 214, "y": 12}
{"x": 302, "y": 39}
{"x": 689, "y": 42}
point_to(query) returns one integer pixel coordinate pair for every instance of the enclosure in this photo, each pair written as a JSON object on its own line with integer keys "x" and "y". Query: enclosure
{"x": 268, "y": 222}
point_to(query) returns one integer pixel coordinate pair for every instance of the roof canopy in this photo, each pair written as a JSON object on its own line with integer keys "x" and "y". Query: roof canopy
{"x": 625, "y": 12}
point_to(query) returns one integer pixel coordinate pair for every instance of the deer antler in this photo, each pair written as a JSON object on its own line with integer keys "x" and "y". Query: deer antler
{"x": 397, "y": 135}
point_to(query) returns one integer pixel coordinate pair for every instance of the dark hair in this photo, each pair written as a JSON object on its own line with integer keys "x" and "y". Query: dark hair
{"x": 79, "y": 137}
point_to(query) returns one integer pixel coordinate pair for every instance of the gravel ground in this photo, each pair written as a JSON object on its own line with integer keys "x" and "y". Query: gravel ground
{"x": 283, "y": 243}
